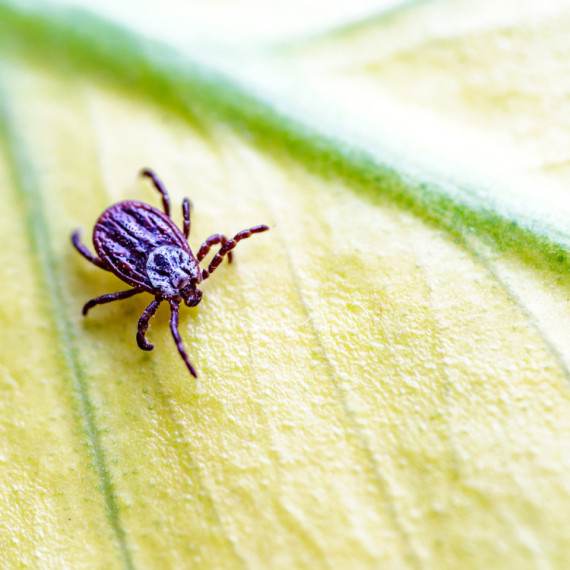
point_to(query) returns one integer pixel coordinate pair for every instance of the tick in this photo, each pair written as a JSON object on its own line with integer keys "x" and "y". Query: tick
{"x": 143, "y": 247}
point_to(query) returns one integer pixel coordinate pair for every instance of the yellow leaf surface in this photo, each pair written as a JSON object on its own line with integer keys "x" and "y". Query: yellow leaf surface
{"x": 384, "y": 375}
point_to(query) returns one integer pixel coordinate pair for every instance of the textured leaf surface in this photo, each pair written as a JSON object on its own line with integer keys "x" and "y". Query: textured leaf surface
{"x": 384, "y": 374}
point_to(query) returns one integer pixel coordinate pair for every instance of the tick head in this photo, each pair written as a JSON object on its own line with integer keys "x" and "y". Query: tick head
{"x": 171, "y": 270}
{"x": 191, "y": 295}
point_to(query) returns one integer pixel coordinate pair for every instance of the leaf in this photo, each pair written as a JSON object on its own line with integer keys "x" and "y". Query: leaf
{"x": 384, "y": 373}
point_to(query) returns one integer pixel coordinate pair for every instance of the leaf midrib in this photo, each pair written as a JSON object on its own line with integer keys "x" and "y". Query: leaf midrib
{"x": 23, "y": 172}
{"x": 70, "y": 38}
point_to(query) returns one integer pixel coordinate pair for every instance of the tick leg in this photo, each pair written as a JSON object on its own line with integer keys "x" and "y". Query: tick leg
{"x": 186, "y": 207}
{"x": 149, "y": 312}
{"x": 110, "y": 298}
{"x": 213, "y": 240}
{"x": 228, "y": 246}
{"x": 75, "y": 240}
{"x": 160, "y": 187}
{"x": 174, "y": 329}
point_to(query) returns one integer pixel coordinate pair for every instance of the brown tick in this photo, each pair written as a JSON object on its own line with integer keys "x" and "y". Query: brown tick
{"x": 143, "y": 247}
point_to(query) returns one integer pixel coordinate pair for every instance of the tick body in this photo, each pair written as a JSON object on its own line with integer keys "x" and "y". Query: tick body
{"x": 144, "y": 248}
